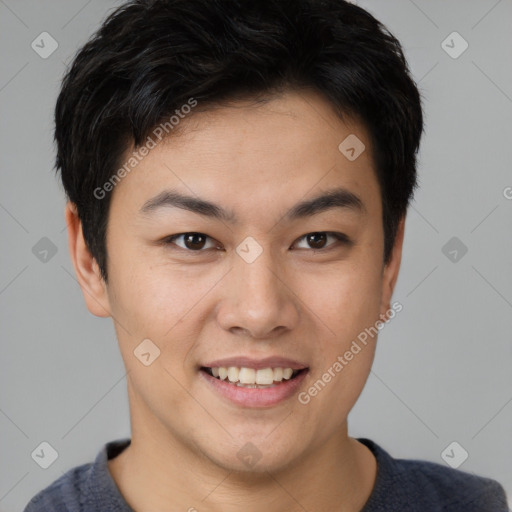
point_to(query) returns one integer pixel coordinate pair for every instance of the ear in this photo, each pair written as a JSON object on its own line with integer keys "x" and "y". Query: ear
{"x": 391, "y": 269}
{"x": 86, "y": 268}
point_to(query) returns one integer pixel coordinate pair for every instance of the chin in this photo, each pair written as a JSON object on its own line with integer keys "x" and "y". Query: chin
{"x": 255, "y": 458}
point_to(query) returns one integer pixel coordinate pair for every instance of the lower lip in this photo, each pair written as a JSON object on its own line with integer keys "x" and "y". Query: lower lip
{"x": 255, "y": 397}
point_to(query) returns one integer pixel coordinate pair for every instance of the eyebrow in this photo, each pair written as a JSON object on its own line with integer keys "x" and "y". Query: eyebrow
{"x": 335, "y": 198}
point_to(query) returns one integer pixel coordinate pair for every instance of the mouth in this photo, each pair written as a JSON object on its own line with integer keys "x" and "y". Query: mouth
{"x": 260, "y": 385}
{"x": 253, "y": 378}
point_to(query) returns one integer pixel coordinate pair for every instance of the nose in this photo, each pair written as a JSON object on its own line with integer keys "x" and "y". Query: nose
{"x": 258, "y": 302}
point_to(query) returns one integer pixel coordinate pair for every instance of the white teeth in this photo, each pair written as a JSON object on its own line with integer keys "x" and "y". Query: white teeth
{"x": 249, "y": 377}
{"x": 259, "y": 386}
{"x": 278, "y": 374}
{"x": 265, "y": 376}
{"x": 233, "y": 373}
{"x": 287, "y": 373}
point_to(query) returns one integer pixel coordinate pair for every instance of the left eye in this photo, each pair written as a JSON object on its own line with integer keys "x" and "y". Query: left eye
{"x": 318, "y": 239}
{"x": 195, "y": 242}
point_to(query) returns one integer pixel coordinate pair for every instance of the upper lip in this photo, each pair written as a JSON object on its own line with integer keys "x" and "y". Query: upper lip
{"x": 257, "y": 364}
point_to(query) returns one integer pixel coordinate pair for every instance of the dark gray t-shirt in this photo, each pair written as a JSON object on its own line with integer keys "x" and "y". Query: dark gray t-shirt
{"x": 401, "y": 485}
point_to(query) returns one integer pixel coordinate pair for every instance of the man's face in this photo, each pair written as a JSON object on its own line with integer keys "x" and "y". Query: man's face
{"x": 256, "y": 287}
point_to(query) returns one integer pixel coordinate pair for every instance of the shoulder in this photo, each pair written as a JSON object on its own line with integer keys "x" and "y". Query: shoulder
{"x": 418, "y": 485}
{"x": 64, "y": 494}
{"x": 85, "y": 488}
{"x": 451, "y": 489}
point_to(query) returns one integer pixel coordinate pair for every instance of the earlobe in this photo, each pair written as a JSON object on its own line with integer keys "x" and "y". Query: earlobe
{"x": 391, "y": 270}
{"x": 86, "y": 268}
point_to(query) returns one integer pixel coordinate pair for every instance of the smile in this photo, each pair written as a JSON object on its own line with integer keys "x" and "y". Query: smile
{"x": 250, "y": 387}
{"x": 250, "y": 377}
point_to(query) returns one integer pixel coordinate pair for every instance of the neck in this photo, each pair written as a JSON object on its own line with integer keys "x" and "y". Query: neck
{"x": 158, "y": 472}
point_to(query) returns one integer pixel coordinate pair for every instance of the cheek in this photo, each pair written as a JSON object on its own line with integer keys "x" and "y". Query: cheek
{"x": 154, "y": 304}
{"x": 140, "y": 291}
{"x": 344, "y": 300}
{"x": 159, "y": 302}
{"x": 349, "y": 305}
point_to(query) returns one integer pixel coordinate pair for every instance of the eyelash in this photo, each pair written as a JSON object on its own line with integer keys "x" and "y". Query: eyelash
{"x": 340, "y": 237}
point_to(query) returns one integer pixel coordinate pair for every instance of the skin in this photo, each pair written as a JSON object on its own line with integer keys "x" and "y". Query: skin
{"x": 258, "y": 161}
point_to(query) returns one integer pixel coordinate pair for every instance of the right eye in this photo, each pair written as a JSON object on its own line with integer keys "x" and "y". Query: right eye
{"x": 192, "y": 241}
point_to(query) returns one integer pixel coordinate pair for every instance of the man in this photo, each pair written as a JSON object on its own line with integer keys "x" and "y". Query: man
{"x": 238, "y": 177}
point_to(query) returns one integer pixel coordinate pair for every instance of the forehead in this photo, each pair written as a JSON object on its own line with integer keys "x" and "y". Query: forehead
{"x": 256, "y": 157}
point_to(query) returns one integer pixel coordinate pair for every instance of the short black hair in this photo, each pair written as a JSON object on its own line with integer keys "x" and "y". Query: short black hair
{"x": 149, "y": 58}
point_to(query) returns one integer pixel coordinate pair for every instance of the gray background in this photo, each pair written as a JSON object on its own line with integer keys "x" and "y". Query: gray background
{"x": 442, "y": 369}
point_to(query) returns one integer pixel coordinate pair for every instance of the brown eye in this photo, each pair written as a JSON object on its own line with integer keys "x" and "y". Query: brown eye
{"x": 194, "y": 242}
{"x": 318, "y": 239}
